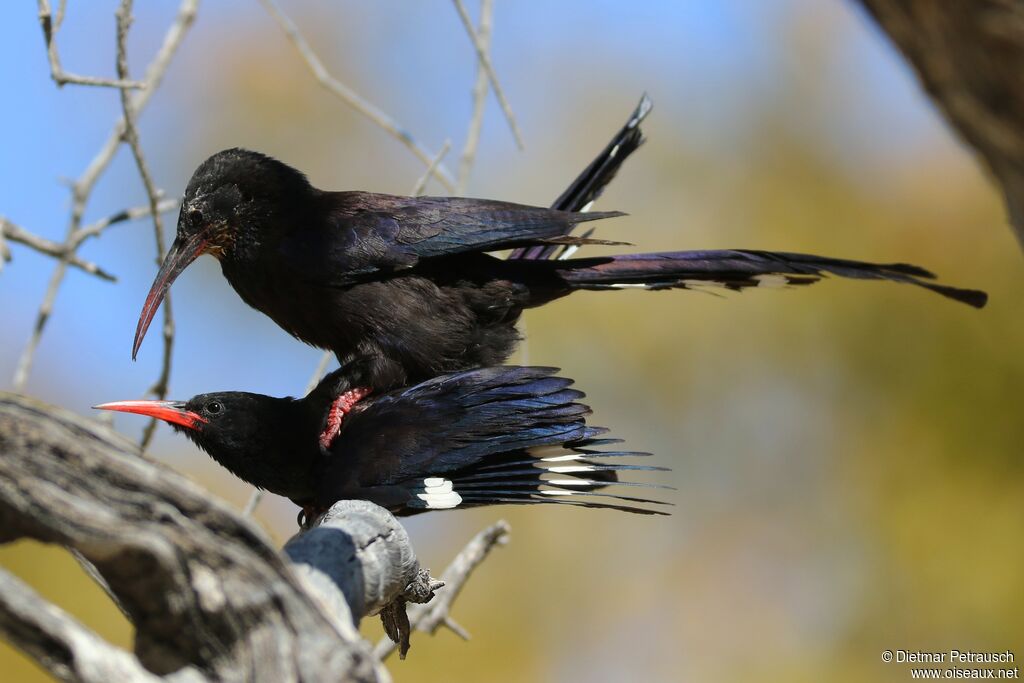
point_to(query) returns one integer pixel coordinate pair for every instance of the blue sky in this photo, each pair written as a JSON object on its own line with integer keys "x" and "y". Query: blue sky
{"x": 710, "y": 66}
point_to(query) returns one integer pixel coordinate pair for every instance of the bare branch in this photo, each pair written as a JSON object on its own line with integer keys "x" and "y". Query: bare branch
{"x": 5, "y": 252}
{"x": 353, "y": 99}
{"x": 131, "y": 133}
{"x": 62, "y": 645}
{"x": 17, "y": 234}
{"x": 125, "y": 215}
{"x": 421, "y": 184}
{"x": 131, "y": 136}
{"x": 969, "y": 57}
{"x": 82, "y": 188}
{"x": 479, "y": 100}
{"x": 484, "y": 58}
{"x": 59, "y": 19}
{"x": 254, "y": 500}
{"x": 320, "y": 371}
{"x": 430, "y": 616}
{"x": 372, "y": 538}
{"x": 61, "y": 77}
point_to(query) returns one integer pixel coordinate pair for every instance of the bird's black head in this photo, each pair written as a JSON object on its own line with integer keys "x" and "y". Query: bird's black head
{"x": 233, "y": 201}
{"x": 237, "y": 191}
{"x": 266, "y": 441}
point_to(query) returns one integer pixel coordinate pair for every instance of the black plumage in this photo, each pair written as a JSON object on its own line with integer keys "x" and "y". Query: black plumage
{"x": 589, "y": 185}
{"x": 408, "y": 283}
{"x": 506, "y": 434}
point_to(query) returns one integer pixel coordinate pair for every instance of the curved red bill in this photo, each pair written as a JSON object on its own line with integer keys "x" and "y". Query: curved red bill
{"x": 173, "y": 412}
{"x": 181, "y": 254}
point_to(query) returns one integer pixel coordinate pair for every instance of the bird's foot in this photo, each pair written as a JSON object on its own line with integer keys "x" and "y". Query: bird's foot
{"x": 308, "y": 515}
{"x": 339, "y": 408}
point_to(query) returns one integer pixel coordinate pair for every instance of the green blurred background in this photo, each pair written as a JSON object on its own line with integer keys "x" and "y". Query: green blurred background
{"x": 846, "y": 455}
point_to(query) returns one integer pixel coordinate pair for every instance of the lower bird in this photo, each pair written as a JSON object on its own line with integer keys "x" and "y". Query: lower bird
{"x": 409, "y": 281}
{"x": 497, "y": 435}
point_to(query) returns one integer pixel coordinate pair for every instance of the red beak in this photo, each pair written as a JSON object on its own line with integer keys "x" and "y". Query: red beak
{"x": 181, "y": 254}
{"x": 169, "y": 411}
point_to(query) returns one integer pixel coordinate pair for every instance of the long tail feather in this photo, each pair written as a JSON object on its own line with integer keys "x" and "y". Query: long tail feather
{"x": 541, "y": 500}
{"x": 588, "y": 186}
{"x": 736, "y": 269}
{"x": 539, "y": 475}
{"x": 555, "y": 494}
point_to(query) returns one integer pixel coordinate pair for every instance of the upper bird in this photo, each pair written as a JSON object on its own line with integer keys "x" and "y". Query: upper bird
{"x": 488, "y": 436}
{"x": 408, "y": 281}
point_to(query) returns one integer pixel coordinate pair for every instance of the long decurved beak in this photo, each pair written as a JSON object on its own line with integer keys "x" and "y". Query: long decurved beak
{"x": 181, "y": 254}
{"x": 173, "y": 412}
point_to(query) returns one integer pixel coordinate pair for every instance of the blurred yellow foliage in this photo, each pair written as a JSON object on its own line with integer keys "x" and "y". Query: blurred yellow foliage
{"x": 847, "y": 455}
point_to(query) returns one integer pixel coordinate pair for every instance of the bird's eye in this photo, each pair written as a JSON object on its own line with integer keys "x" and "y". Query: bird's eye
{"x": 214, "y": 407}
{"x": 195, "y": 216}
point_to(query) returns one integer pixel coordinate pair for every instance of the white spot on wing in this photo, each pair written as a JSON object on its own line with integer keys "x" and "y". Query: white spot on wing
{"x": 439, "y": 494}
{"x": 560, "y": 458}
{"x": 569, "y": 469}
{"x": 569, "y": 251}
{"x": 771, "y": 280}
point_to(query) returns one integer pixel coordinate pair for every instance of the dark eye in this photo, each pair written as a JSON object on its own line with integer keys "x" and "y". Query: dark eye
{"x": 214, "y": 407}
{"x": 195, "y": 217}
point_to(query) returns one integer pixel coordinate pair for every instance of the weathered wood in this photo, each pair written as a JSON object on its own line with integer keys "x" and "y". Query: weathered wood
{"x": 428, "y": 617}
{"x": 969, "y": 56}
{"x": 203, "y": 586}
{"x": 67, "y": 649}
{"x": 361, "y": 549}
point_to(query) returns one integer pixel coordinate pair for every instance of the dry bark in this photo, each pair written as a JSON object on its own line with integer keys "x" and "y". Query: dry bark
{"x": 969, "y": 56}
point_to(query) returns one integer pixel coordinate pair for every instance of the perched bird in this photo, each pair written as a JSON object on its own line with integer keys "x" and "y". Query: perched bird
{"x": 496, "y": 435}
{"x": 408, "y": 281}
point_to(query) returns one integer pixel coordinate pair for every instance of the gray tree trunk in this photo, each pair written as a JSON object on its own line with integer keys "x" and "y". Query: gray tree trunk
{"x": 969, "y": 56}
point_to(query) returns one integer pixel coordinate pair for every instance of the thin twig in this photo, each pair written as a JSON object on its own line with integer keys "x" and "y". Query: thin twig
{"x": 59, "y": 19}
{"x": 82, "y": 188}
{"x": 254, "y": 499}
{"x": 485, "y": 61}
{"x": 480, "y": 88}
{"x": 14, "y": 233}
{"x": 321, "y": 369}
{"x": 428, "y": 617}
{"x": 352, "y": 98}
{"x": 50, "y": 26}
{"x": 131, "y": 136}
{"x": 5, "y": 252}
{"x": 421, "y": 184}
{"x": 132, "y": 214}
